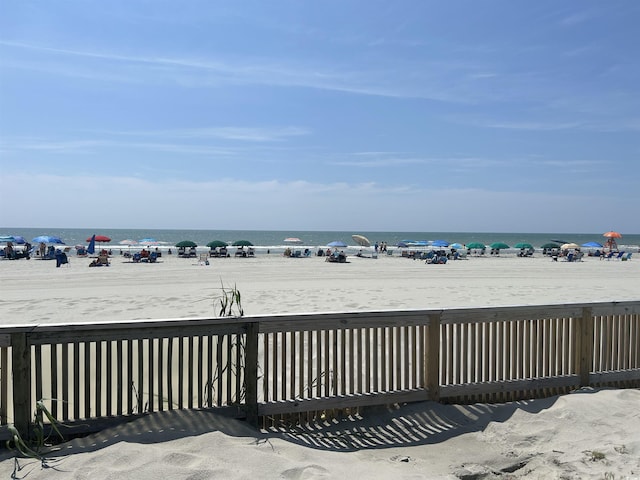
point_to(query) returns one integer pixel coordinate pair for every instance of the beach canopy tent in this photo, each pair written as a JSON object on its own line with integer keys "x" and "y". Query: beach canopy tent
{"x": 550, "y": 245}
{"x": 498, "y": 246}
{"x": 337, "y": 244}
{"x": 592, "y": 245}
{"x": 476, "y": 246}
{"x": 361, "y": 240}
{"x": 216, "y": 244}
{"x": 99, "y": 238}
{"x": 242, "y": 243}
{"x": 523, "y": 245}
{"x": 570, "y": 246}
{"x": 186, "y": 244}
{"x": 47, "y": 239}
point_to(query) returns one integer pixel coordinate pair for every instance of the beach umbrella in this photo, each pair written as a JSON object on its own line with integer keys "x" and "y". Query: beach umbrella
{"x": 292, "y": 240}
{"x": 457, "y": 246}
{"x": 47, "y": 239}
{"x": 550, "y": 245}
{"x": 523, "y": 245}
{"x": 128, "y": 242}
{"x": 612, "y": 235}
{"x": 361, "y": 240}
{"x": 242, "y": 243}
{"x": 337, "y": 244}
{"x": 13, "y": 238}
{"x": 148, "y": 241}
{"x": 216, "y": 244}
{"x": 186, "y": 244}
{"x": 569, "y": 246}
{"x": 592, "y": 245}
{"x": 440, "y": 243}
{"x": 99, "y": 238}
{"x": 91, "y": 249}
{"x": 499, "y": 245}
{"x": 476, "y": 246}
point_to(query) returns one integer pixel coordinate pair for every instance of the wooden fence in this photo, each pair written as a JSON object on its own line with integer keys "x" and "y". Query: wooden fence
{"x": 269, "y": 367}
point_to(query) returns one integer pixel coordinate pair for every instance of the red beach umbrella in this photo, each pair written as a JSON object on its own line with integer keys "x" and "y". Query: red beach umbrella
{"x": 100, "y": 239}
{"x": 611, "y": 242}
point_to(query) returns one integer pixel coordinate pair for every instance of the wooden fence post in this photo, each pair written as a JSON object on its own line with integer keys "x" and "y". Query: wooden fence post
{"x": 433, "y": 357}
{"x": 251, "y": 373}
{"x": 21, "y": 369}
{"x": 585, "y": 345}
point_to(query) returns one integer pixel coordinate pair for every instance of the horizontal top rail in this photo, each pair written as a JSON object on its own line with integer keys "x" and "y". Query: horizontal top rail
{"x": 307, "y": 321}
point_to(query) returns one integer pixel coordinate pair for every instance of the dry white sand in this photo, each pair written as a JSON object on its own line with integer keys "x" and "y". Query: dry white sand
{"x": 588, "y": 434}
{"x": 35, "y": 291}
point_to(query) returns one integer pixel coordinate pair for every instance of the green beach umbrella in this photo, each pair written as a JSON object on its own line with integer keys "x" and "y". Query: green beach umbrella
{"x": 242, "y": 243}
{"x": 499, "y": 245}
{"x": 186, "y": 244}
{"x": 216, "y": 244}
{"x": 476, "y": 245}
{"x": 550, "y": 245}
{"x": 523, "y": 245}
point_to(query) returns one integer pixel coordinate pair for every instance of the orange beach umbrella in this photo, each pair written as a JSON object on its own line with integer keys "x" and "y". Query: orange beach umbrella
{"x": 612, "y": 235}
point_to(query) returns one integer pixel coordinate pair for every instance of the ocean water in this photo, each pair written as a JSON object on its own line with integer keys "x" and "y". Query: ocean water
{"x": 274, "y": 240}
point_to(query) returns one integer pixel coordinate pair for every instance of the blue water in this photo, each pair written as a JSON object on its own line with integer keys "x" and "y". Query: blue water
{"x": 275, "y": 239}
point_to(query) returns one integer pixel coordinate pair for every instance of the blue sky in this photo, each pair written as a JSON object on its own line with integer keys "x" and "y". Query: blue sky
{"x": 334, "y": 115}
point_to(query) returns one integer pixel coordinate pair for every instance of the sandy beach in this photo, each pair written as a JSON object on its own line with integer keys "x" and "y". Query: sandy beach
{"x": 35, "y": 291}
{"x": 587, "y": 434}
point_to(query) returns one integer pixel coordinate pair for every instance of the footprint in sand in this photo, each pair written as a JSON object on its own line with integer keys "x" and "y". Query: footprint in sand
{"x": 309, "y": 472}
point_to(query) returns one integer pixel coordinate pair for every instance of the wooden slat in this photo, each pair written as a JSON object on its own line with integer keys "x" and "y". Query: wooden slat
{"x": 55, "y": 403}
{"x": 161, "y": 377}
{"x": 151, "y": 375}
{"x": 109, "y": 378}
{"x": 141, "y": 387}
{"x": 190, "y": 372}
{"x": 4, "y": 379}
{"x": 98, "y": 380}
{"x": 38, "y": 371}
{"x": 76, "y": 380}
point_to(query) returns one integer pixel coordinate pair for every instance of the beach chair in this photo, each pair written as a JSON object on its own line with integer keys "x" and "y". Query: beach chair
{"x": 204, "y": 259}
{"x": 626, "y": 257}
{"x": 620, "y": 255}
{"x": 61, "y": 259}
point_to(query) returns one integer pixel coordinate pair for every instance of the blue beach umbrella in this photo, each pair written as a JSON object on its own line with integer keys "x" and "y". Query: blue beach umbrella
{"x": 457, "y": 246}
{"x": 337, "y": 244}
{"x": 440, "y": 243}
{"x": 47, "y": 239}
{"x": 7, "y": 238}
{"x": 91, "y": 249}
{"x": 592, "y": 245}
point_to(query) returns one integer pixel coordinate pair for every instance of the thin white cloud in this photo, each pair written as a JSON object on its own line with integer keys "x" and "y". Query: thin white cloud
{"x": 245, "y": 134}
{"x": 436, "y": 80}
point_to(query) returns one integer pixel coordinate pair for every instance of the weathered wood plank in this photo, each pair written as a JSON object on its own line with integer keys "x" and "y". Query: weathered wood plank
{"x": 342, "y": 401}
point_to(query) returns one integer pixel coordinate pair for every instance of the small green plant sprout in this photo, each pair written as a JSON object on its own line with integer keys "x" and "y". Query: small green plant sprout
{"x": 33, "y": 448}
{"x": 229, "y": 302}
